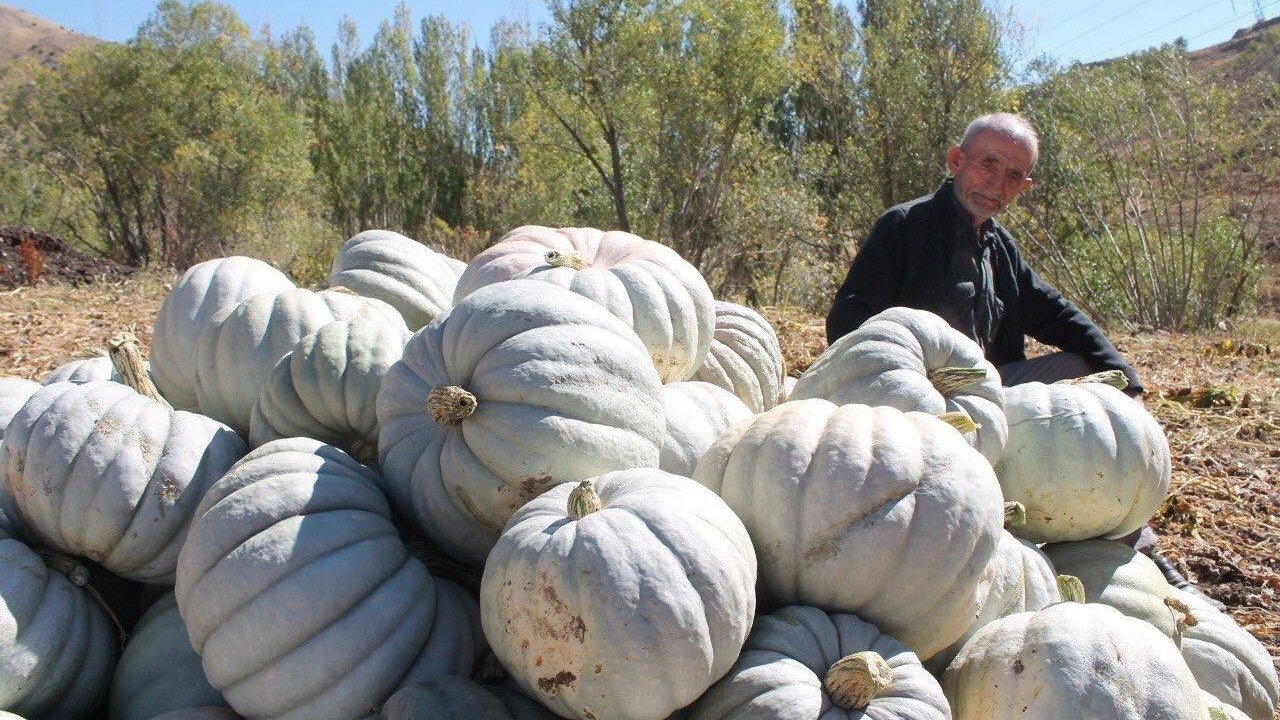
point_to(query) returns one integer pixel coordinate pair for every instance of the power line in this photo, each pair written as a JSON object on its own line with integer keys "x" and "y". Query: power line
{"x": 1100, "y": 25}
{"x": 1232, "y": 20}
{"x": 1060, "y": 23}
{"x": 1109, "y": 50}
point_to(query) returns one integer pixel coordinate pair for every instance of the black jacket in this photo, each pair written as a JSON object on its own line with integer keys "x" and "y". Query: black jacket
{"x": 907, "y": 260}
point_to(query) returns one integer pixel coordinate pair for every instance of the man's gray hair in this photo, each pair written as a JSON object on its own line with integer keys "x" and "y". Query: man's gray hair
{"x": 1014, "y": 127}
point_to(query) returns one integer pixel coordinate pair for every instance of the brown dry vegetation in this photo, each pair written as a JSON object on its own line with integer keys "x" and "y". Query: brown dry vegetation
{"x": 1216, "y": 394}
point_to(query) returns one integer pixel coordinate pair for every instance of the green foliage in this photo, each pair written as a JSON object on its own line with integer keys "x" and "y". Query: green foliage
{"x": 1148, "y": 208}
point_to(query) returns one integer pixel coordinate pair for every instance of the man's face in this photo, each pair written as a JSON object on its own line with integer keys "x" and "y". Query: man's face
{"x": 990, "y": 174}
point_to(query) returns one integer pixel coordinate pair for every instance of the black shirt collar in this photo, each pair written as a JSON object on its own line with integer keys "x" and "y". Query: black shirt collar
{"x": 958, "y": 217}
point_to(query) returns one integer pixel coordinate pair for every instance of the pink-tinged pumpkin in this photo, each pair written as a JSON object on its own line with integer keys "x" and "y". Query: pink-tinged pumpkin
{"x": 872, "y": 511}
{"x": 663, "y": 298}
{"x": 623, "y": 597}
{"x": 522, "y": 386}
{"x": 202, "y": 292}
{"x": 300, "y": 597}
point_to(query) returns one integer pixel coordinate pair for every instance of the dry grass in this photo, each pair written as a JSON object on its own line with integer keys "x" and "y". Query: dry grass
{"x": 1216, "y": 394}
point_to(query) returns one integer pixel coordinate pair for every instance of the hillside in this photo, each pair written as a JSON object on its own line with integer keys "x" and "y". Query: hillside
{"x": 27, "y": 36}
{"x": 1250, "y": 52}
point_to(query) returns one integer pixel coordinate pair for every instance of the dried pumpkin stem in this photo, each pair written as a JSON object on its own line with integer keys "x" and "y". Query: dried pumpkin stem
{"x": 1071, "y": 589}
{"x": 568, "y": 258}
{"x": 343, "y": 289}
{"x": 584, "y": 500}
{"x": 450, "y": 404}
{"x": 949, "y": 380}
{"x": 78, "y": 574}
{"x": 855, "y": 680}
{"x": 1186, "y": 619}
{"x": 126, "y": 357}
{"x": 1114, "y": 378}
{"x": 960, "y": 421}
{"x": 1015, "y": 514}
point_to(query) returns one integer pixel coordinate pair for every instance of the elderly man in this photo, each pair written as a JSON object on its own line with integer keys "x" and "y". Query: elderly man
{"x": 946, "y": 253}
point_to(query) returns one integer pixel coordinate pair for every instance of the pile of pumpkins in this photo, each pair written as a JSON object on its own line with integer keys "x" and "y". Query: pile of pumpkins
{"x": 564, "y": 480}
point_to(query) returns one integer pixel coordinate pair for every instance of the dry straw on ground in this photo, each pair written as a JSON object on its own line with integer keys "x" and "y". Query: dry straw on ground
{"x": 1216, "y": 394}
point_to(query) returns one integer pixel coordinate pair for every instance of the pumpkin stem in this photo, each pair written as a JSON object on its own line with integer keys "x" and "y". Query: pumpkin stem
{"x": 960, "y": 421}
{"x": 949, "y": 380}
{"x": 1218, "y": 713}
{"x": 450, "y": 404}
{"x": 342, "y": 289}
{"x": 1114, "y": 378}
{"x": 855, "y": 680}
{"x": 1071, "y": 589}
{"x": 1015, "y": 514}
{"x": 78, "y": 574}
{"x": 584, "y": 500}
{"x": 569, "y": 259}
{"x": 1185, "y": 618}
{"x": 127, "y": 360}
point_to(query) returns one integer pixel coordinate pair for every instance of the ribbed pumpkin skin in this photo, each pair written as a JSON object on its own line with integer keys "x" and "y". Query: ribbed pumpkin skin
{"x": 239, "y": 347}
{"x": 887, "y": 361}
{"x": 454, "y": 698}
{"x": 634, "y": 610}
{"x": 200, "y": 713}
{"x": 1086, "y": 460}
{"x": 158, "y": 670}
{"x": 14, "y": 393}
{"x": 564, "y": 390}
{"x": 326, "y": 388}
{"x": 1117, "y": 575}
{"x": 1019, "y": 578}
{"x": 299, "y": 595}
{"x": 400, "y": 271}
{"x": 697, "y": 414}
{"x": 888, "y": 515}
{"x": 82, "y": 371}
{"x": 779, "y": 675}
{"x": 99, "y": 471}
{"x": 1228, "y": 661}
{"x": 1071, "y": 661}
{"x": 645, "y": 284}
{"x": 57, "y": 647}
{"x": 745, "y": 357}
{"x": 203, "y": 291}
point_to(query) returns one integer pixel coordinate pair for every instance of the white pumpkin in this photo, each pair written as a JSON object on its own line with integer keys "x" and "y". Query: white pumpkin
{"x": 1086, "y": 460}
{"x": 1115, "y": 574}
{"x": 1227, "y": 661}
{"x": 57, "y": 647}
{"x": 647, "y": 285}
{"x": 1071, "y": 660}
{"x": 239, "y": 347}
{"x": 520, "y": 387}
{"x": 802, "y": 664}
{"x": 912, "y": 360}
{"x": 1219, "y": 710}
{"x": 199, "y": 713}
{"x": 327, "y": 387}
{"x": 697, "y": 414}
{"x": 450, "y": 697}
{"x": 203, "y": 291}
{"x": 626, "y": 596}
{"x": 400, "y": 271}
{"x": 99, "y": 471}
{"x": 83, "y": 370}
{"x": 873, "y": 511}
{"x": 300, "y": 597}
{"x": 745, "y": 357}
{"x": 1019, "y": 578}
{"x": 14, "y": 393}
{"x": 158, "y": 670}
{"x": 788, "y": 387}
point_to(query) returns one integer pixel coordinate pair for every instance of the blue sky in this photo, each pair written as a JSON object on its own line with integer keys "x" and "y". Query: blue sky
{"x": 1067, "y": 30}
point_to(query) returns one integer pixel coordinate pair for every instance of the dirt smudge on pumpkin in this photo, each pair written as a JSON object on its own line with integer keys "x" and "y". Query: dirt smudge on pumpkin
{"x": 532, "y": 487}
{"x": 566, "y": 626}
{"x": 472, "y": 509}
{"x": 826, "y": 545}
{"x": 552, "y": 685}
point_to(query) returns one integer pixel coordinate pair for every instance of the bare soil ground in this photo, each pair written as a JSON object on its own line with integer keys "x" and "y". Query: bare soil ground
{"x": 1216, "y": 393}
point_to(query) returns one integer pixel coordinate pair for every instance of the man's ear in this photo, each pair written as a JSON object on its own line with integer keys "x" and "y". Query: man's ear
{"x": 954, "y": 157}
{"x": 1026, "y": 185}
